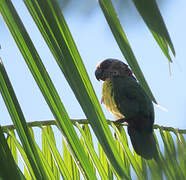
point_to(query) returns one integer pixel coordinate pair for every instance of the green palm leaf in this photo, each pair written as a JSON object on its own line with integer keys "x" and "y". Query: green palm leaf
{"x": 81, "y": 155}
{"x": 7, "y": 161}
{"x": 44, "y": 82}
{"x": 152, "y": 17}
{"x": 20, "y": 123}
{"x": 54, "y": 29}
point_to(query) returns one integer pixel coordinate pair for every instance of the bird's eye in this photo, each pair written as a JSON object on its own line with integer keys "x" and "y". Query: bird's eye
{"x": 115, "y": 73}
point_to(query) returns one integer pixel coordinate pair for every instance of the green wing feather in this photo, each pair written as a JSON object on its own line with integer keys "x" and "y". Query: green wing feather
{"x": 125, "y": 98}
{"x": 130, "y": 98}
{"x": 134, "y": 103}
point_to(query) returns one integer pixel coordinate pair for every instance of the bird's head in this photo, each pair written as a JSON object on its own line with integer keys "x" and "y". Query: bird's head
{"x": 110, "y": 68}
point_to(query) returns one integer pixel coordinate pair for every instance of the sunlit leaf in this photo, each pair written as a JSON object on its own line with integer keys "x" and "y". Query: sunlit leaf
{"x": 59, "y": 161}
{"x": 86, "y": 132}
{"x": 104, "y": 162}
{"x": 123, "y": 43}
{"x": 9, "y": 169}
{"x": 18, "y": 119}
{"x": 46, "y": 151}
{"x": 46, "y": 86}
{"x": 69, "y": 162}
{"x": 170, "y": 157}
{"x": 155, "y": 166}
{"x": 182, "y": 152}
{"x": 129, "y": 154}
{"x": 24, "y": 157}
{"x": 89, "y": 144}
{"x": 46, "y": 164}
{"x": 12, "y": 146}
{"x": 152, "y": 17}
{"x": 52, "y": 25}
{"x": 142, "y": 163}
{"x": 79, "y": 158}
{"x": 122, "y": 153}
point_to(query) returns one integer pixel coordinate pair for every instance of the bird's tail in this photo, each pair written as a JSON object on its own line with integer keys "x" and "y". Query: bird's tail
{"x": 143, "y": 143}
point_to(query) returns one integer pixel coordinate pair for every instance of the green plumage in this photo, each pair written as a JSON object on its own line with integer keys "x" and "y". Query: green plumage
{"x": 128, "y": 102}
{"x": 125, "y": 98}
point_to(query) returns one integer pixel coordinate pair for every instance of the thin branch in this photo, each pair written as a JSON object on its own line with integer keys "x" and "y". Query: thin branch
{"x": 85, "y": 121}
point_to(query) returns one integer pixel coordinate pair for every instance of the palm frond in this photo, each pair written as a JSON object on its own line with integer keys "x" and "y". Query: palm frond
{"x": 173, "y": 162}
{"x": 81, "y": 155}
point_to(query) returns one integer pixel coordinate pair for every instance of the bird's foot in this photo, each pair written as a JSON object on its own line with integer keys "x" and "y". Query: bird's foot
{"x": 121, "y": 122}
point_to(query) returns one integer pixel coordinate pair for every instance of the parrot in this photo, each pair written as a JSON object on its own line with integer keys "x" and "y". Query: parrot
{"x": 128, "y": 102}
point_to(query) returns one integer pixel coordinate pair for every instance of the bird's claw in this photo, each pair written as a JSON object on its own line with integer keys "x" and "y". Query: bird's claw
{"x": 121, "y": 122}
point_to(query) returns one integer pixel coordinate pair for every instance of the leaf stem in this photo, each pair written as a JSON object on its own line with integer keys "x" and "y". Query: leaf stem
{"x": 85, "y": 121}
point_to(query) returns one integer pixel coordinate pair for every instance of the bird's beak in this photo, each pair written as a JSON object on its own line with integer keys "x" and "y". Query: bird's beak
{"x": 98, "y": 73}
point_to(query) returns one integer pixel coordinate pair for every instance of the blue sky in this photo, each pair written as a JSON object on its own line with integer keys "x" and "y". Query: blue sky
{"x": 95, "y": 43}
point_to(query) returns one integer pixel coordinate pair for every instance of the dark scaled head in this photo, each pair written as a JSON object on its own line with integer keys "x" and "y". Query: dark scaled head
{"x": 111, "y": 67}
